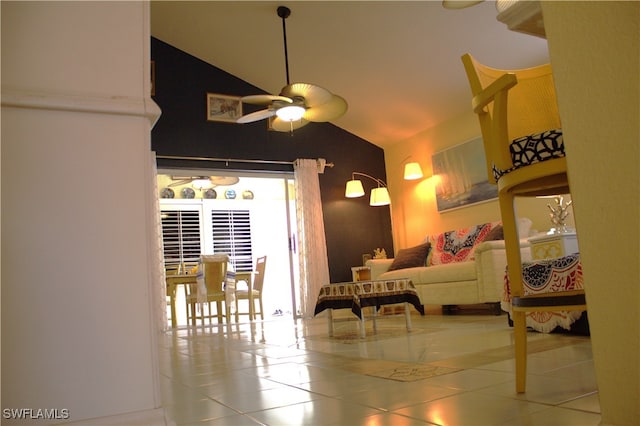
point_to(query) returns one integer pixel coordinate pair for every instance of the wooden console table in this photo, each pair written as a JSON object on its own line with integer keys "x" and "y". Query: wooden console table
{"x": 362, "y": 294}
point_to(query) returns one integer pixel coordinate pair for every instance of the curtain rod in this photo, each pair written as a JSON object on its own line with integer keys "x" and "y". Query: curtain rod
{"x": 236, "y": 160}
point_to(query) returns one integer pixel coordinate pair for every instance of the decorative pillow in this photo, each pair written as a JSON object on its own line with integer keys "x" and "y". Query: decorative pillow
{"x": 496, "y": 233}
{"x": 411, "y": 257}
{"x": 458, "y": 246}
{"x": 532, "y": 149}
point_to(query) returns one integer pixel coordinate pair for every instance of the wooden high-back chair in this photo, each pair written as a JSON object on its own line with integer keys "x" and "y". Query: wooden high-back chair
{"x": 524, "y": 149}
{"x": 214, "y": 273}
{"x": 255, "y": 283}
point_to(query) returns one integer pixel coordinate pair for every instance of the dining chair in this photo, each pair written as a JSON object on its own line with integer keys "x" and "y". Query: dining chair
{"x": 255, "y": 284}
{"x": 214, "y": 271}
{"x": 525, "y": 156}
{"x": 170, "y": 269}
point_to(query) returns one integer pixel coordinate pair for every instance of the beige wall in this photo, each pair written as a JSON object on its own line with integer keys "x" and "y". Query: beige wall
{"x": 414, "y": 210}
{"x": 595, "y": 53}
{"x": 595, "y": 50}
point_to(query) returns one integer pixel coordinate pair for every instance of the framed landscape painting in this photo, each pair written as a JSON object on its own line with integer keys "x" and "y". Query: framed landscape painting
{"x": 461, "y": 174}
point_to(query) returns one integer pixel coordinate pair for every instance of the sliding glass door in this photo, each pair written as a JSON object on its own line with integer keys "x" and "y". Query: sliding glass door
{"x": 253, "y": 217}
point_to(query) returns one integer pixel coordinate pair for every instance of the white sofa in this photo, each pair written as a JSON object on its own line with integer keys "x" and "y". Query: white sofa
{"x": 477, "y": 280}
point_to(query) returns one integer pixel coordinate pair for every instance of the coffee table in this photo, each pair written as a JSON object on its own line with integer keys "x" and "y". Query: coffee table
{"x": 362, "y": 294}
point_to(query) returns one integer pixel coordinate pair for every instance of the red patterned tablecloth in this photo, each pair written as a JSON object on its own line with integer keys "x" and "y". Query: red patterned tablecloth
{"x": 357, "y": 295}
{"x": 547, "y": 276}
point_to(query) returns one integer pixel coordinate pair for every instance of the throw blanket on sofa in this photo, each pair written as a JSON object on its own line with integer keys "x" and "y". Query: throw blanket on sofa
{"x": 458, "y": 245}
{"x": 547, "y": 276}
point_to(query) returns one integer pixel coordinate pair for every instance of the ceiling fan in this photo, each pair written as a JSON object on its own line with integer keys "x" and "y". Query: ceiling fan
{"x": 204, "y": 181}
{"x": 298, "y": 103}
{"x": 459, "y": 4}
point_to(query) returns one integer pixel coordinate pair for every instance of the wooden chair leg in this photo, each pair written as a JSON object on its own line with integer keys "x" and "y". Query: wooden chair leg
{"x": 252, "y": 310}
{"x": 520, "y": 342}
{"x": 227, "y": 313}
{"x": 219, "y": 311}
{"x": 514, "y": 262}
{"x": 261, "y": 309}
{"x": 191, "y": 309}
{"x": 237, "y": 310}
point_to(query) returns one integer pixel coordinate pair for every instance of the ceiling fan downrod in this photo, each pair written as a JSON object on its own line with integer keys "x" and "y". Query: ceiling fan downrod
{"x": 284, "y": 12}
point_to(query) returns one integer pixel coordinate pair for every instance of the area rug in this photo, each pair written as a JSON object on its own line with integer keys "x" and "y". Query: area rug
{"x": 352, "y": 336}
{"x": 412, "y": 372}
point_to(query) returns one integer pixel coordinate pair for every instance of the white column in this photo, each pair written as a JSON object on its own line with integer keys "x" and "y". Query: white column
{"x": 77, "y": 317}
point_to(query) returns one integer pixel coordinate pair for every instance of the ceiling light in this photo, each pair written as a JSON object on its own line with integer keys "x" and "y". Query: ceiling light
{"x": 202, "y": 184}
{"x": 290, "y": 113}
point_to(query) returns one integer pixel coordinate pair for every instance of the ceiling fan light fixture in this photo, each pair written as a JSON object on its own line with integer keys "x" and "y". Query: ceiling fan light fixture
{"x": 290, "y": 113}
{"x": 311, "y": 103}
{"x": 202, "y": 184}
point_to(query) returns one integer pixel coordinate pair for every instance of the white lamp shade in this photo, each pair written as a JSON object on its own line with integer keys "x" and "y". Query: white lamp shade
{"x": 379, "y": 197}
{"x": 290, "y": 113}
{"x": 354, "y": 189}
{"x": 412, "y": 171}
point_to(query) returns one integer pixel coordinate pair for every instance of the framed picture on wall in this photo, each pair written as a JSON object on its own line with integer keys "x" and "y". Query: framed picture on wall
{"x": 223, "y": 108}
{"x": 461, "y": 173}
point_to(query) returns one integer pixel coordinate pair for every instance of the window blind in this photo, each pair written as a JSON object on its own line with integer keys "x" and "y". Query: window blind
{"x": 181, "y": 237}
{"x": 231, "y": 233}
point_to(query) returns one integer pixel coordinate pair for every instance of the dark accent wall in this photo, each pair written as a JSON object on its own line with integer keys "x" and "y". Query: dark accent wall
{"x": 182, "y": 81}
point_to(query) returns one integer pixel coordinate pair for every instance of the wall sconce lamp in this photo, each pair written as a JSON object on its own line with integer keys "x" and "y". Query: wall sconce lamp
{"x": 412, "y": 171}
{"x": 379, "y": 196}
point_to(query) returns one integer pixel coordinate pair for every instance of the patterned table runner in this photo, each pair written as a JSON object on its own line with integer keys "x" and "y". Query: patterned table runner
{"x": 547, "y": 276}
{"x": 358, "y": 295}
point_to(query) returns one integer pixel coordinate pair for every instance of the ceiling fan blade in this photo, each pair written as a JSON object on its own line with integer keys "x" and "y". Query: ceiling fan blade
{"x": 331, "y": 110}
{"x": 264, "y": 99}
{"x": 180, "y": 182}
{"x": 224, "y": 180}
{"x": 256, "y": 116}
{"x": 313, "y": 95}
{"x": 459, "y": 4}
{"x": 280, "y": 125}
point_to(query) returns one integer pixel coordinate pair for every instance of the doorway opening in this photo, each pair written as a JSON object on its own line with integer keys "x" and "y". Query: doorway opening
{"x": 246, "y": 215}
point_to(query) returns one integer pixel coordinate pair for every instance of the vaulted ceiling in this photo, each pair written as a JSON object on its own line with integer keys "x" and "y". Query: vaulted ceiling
{"x": 396, "y": 63}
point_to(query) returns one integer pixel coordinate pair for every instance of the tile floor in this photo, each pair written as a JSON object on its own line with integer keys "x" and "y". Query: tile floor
{"x": 285, "y": 372}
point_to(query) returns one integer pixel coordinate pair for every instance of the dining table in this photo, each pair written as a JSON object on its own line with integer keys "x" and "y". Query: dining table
{"x": 173, "y": 281}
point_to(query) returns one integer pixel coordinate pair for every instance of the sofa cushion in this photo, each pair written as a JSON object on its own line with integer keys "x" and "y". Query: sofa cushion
{"x": 458, "y": 245}
{"x": 411, "y": 257}
{"x": 496, "y": 233}
{"x": 452, "y": 272}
